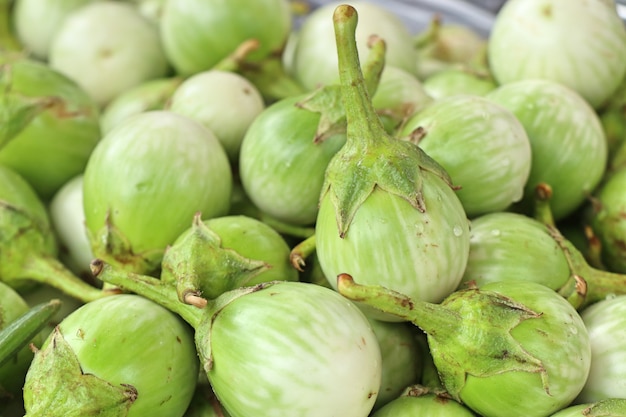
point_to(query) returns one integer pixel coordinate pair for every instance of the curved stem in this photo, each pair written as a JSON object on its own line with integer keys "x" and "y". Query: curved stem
{"x": 149, "y": 287}
{"x": 302, "y": 251}
{"x": 543, "y": 211}
{"x": 433, "y": 319}
{"x": 49, "y": 271}
{"x": 597, "y": 284}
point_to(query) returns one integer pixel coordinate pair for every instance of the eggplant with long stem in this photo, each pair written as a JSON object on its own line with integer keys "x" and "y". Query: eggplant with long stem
{"x": 276, "y": 348}
{"x": 389, "y": 214}
{"x": 500, "y": 349}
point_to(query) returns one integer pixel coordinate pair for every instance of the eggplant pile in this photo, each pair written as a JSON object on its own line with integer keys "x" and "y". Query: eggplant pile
{"x": 283, "y": 209}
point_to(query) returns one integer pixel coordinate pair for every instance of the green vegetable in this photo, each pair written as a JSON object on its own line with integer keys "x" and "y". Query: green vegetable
{"x": 605, "y": 321}
{"x": 50, "y": 140}
{"x": 482, "y": 146}
{"x": 67, "y": 219}
{"x": 222, "y": 254}
{"x": 387, "y": 211}
{"x": 145, "y": 181}
{"x": 224, "y": 102}
{"x": 281, "y": 165}
{"x": 119, "y": 356}
{"x": 37, "y": 23}
{"x": 198, "y": 34}
{"x": 500, "y": 349}
{"x": 402, "y": 358}
{"x": 28, "y": 248}
{"x": 580, "y": 44}
{"x": 314, "y": 59}
{"x": 277, "y": 348}
{"x": 107, "y": 62}
{"x": 565, "y": 134}
{"x": 419, "y": 401}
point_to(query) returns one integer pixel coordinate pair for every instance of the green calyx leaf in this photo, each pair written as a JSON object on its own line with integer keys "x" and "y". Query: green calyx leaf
{"x": 327, "y": 102}
{"x": 209, "y": 316}
{"x": 397, "y": 167}
{"x": 112, "y": 246}
{"x": 56, "y": 386}
{"x": 199, "y": 265}
{"x": 489, "y": 317}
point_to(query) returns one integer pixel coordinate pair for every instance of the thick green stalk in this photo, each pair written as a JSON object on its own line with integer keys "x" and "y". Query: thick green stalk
{"x": 599, "y": 284}
{"x": 354, "y": 90}
{"x": 433, "y": 319}
{"x": 49, "y": 271}
{"x": 587, "y": 284}
{"x": 149, "y": 287}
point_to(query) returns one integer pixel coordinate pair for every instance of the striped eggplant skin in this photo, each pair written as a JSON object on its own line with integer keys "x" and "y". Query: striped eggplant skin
{"x": 611, "y": 407}
{"x": 291, "y": 349}
{"x": 551, "y": 334}
{"x": 606, "y": 323}
{"x": 512, "y": 246}
{"x": 565, "y": 134}
{"x": 481, "y": 144}
{"x": 281, "y": 166}
{"x": 581, "y": 44}
{"x": 608, "y": 221}
{"x": 146, "y": 180}
{"x": 391, "y": 243}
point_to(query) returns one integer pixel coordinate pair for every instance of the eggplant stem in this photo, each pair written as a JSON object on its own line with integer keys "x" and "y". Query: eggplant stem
{"x": 354, "y": 89}
{"x": 149, "y": 287}
{"x": 432, "y": 318}
{"x": 543, "y": 211}
{"x": 301, "y": 251}
{"x": 51, "y": 272}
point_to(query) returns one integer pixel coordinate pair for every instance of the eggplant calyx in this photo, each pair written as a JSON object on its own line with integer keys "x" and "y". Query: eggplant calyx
{"x": 111, "y": 245}
{"x": 54, "y": 369}
{"x": 469, "y": 333}
{"x": 198, "y": 264}
{"x": 370, "y": 158}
